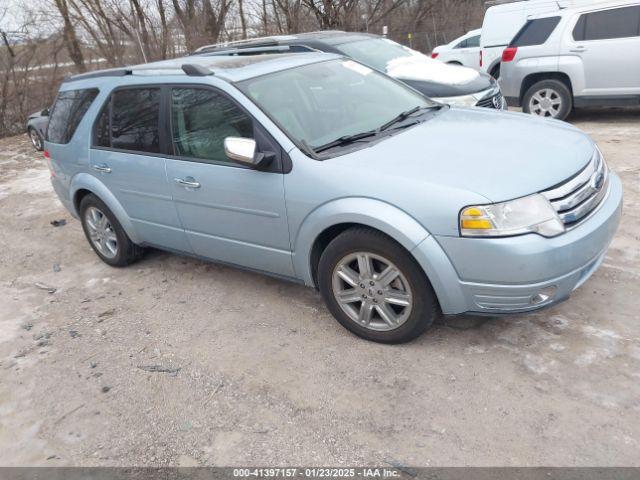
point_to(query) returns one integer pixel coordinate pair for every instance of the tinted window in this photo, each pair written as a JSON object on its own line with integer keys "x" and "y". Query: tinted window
{"x": 615, "y": 23}
{"x": 535, "y": 32}
{"x": 200, "y": 121}
{"x": 473, "y": 41}
{"x": 135, "y": 113}
{"x": 102, "y": 128}
{"x": 67, "y": 113}
{"x": 462, "y": 44}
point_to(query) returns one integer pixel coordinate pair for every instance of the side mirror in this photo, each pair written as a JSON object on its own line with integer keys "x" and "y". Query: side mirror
{"x": 243, "y": 151}
{"x": 45, "y": 112}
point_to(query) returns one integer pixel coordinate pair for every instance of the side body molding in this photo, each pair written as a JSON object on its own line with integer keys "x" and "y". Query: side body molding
{"x": 366, "y": 211}
{"x": 85, "y": 181}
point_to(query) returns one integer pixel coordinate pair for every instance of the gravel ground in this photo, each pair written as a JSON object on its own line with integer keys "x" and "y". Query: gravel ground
{"x": 254, "y": 371}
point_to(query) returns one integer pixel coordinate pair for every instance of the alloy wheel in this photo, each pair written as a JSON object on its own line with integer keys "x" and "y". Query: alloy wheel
{"x": 35, "y": 139}
{"x": 546, "y": 103}
{"x": 372, "y": 291}
{"x": 101, "y": 232}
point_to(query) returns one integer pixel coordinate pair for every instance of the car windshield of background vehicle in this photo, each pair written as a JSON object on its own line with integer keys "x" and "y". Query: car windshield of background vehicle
{"x": 375, "y": 52}
{"x": 319, "y": 103}
{"x": 535, "y": 32}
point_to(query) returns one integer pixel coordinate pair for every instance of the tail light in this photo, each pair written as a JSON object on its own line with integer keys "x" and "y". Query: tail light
{"x": 509, "y": 54}
{"x": 434, "y": 54}
{"x": 47, "y": 156}
{"x": 480, "y": 57}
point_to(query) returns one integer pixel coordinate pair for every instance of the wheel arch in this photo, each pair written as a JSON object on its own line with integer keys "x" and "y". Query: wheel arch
{"x": 84, "y": 184}
{"x": 533, "y": 78}
{"x": 329, "y": 220}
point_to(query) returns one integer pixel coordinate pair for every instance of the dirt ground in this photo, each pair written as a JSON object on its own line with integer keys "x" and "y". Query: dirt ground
{"x": 256, "y": 372}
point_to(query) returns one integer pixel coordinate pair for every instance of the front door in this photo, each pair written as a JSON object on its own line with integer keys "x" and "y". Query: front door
{"x": 230, "y": 213}
{"x": 125, "y": 158}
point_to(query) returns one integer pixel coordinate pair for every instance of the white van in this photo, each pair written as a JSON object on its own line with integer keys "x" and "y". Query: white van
{"x": 504, "y": 20}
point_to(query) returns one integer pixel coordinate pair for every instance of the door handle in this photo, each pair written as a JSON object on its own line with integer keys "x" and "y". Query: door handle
{"x": 578, "y": 49}
{"x": 188, "y": 182}
{"x": 103, "y": 167}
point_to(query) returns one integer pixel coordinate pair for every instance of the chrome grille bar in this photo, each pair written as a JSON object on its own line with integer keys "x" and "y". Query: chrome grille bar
{"x": 578, "y": 196}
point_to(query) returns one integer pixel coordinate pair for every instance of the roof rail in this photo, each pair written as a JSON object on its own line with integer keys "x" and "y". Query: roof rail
{"x": 115, "y": 72}
{"x": 246, "y": 50}
{"x": 194, "y": 70}
{"x": 254, "y": 42}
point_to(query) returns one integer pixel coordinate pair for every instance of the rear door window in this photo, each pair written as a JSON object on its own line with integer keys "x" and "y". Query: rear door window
{"x": 607, "y": 24}
{"x": 473, "y": 41}
{"x": 535, "y": 32}
{"x": 130, "y": 120}
{"x": 68, "y": 111}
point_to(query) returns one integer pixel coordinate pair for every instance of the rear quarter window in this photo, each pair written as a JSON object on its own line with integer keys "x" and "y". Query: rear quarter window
{"x": 535, "y": 32}
{"x": 68, "y": 110}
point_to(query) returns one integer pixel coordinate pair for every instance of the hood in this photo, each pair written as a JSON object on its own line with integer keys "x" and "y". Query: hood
{"x": 498, "y": 155}
{"x": 437, "y": 79}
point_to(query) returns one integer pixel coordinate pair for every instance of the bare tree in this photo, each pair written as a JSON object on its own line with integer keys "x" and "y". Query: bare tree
{"x": 70, "y": 38}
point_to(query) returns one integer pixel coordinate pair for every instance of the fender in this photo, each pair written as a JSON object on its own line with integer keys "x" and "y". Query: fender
{"x": 366, "y": 211}
{"x": 85, "y": 181}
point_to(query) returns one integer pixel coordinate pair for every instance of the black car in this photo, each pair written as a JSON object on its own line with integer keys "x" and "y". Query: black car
{"x": 455, "y": 85}
{"x": 37, "y": 128}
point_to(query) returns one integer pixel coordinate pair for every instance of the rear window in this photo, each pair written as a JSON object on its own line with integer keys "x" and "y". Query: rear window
{"x": 535, "y": 32}
{"x": 68, "y": 111}
{"x": 614, "y": 23}
{"x": 130, "y": 121}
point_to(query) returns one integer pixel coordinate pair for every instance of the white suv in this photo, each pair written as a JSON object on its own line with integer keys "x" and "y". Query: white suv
{"x": 575, "y": 57}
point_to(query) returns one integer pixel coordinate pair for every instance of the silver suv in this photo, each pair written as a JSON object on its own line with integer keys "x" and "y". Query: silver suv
{"x": 587, "y": 56}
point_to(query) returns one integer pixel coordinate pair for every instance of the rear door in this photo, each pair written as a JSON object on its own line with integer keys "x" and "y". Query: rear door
{"x": 127, "y": 157}
{"x": 608, "y": 44}
{"x": 468, "y": 51}
{"x": 230, "y": 213}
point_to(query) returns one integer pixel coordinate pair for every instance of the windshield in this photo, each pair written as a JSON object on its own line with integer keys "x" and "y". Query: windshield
{"x": 319, "y": 103}
{"x": 376, "y": 52}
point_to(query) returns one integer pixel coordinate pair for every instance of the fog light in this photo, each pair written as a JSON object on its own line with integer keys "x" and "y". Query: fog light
{"x": 543, "y": 295}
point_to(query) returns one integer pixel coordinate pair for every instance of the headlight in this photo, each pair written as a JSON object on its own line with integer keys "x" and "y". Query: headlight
{"x": 462, "y": 101}
{"x": 472, "y": 99}
{"x": 532, "y": 214}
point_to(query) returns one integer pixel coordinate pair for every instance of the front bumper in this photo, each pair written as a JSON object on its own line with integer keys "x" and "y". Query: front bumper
{"x": 507, "y": 275}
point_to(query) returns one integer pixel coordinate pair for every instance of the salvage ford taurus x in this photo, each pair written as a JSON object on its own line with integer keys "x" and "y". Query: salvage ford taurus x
{"x": 318, "y": 169}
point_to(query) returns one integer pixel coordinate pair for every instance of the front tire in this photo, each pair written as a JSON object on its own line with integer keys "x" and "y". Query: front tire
{"x": 36, "y": 139}
{"x": 374, "y": 288}
{"x": 549, "y": 99}
{"x": 105, "y": 234}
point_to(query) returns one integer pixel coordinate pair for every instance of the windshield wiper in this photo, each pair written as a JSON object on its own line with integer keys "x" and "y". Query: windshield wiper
{"x": 399, "y": 118}
{"x": 345, "y": 140}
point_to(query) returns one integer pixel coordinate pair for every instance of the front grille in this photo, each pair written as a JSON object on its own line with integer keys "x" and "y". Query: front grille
{"x": 494, "y": 101}
{"x": 576, "y": 198}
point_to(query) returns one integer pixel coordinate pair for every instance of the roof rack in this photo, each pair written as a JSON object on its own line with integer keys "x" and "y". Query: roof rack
{"x": 115, "y": 72}
{"x": 194, "y": 70}
{"x": 256, "y": 42}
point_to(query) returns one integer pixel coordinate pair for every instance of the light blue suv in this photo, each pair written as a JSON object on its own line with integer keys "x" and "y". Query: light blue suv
{"x": 317, "y": 169}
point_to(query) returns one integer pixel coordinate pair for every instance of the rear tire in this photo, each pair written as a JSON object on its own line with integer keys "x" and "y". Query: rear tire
{"x": 105, "y": 234}
{"x": 548, "y": 98}
{"x": 374, "y": 288}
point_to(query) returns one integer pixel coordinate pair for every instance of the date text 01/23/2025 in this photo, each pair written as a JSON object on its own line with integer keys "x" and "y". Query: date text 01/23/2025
{"x": 317, "y": 472}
